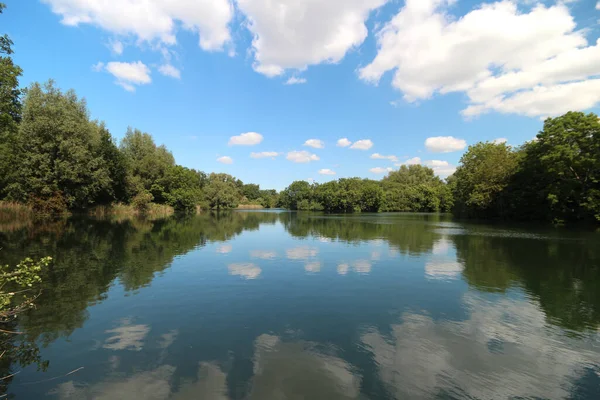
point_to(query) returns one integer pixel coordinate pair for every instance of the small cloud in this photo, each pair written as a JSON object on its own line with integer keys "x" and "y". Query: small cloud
{"x": 444, "y": 144}
{"x": 295, "y": 81}
{"x": 441, "y": 168}
{"x": 264, "y": 154}
{"x": 246, "y": 139}
{"x": 395, "y": 103}
{"x": 344, "y": 142}
{"x": 225, "y": 160}
{"x": 129, "y": 74}
{"x": 268, "y": 70}
{"x": 245, "y": 270}
{"x": 362, "y": 266}
{"x": 326, "y": 171}
{"x": 127, "y": 337}
{"x": 301, "y": 253}
{"x": 99, "y": 66}
{"x": 598, "y": 6}
{"x": 117, "y": 47}
{"x": 499, "y": 140}
{"x": 169, "y": 70}
{"x": 314, "y": 143}
{"x": 224, "y": 249}
{"x": 380, "y": 170}
{"x": 302, "y": 156}
{"x": 443, "y": 270}
{"x": 410, "y": 161}
{"x": 364, "y": 144}
{"x": 437, "y": 163}
{"x": 264, "y": 255}
{"x": 313, "y": 267}
{"x": 378, "y": 156}
{"x": 342, "y": 269}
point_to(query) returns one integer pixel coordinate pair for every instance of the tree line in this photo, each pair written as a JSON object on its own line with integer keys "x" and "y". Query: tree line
{"x": 54, "y": 157}
{"x": 553, "y": 178}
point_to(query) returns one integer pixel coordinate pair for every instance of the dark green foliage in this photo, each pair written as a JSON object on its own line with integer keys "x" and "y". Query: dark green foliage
{"x": 350, "y": 195}
{"x": 269, "y": 198}
{"x": 222, "y": 192}
{"x": 295, "y": 194}
{"x": 251, "y": 191}
{"x": 415, "y": 188}
{"x": 484, "y": 174}
{"x": 59, "y": 150}
{"x": 141, "y": 202}
{"x": 10, "y": 111}
{"x": 147, "y": 164}
{"x": 555, "y": 178}
{"x": 116, "y": 165}
{"x": 182, "y": 188}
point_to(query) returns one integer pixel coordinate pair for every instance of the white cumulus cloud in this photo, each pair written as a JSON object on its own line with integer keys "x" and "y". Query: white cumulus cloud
{"x": 314, "y": 143}
{"x": 499, "y": 141}
{"x": 291, "y": 34}
{"x": 246, "y": 139}
{"x": 326, "y": 171}
{"x": 264, "y": 154}
{"x": 364, "y": 144}
{"x": 543, "y": 65}
{"x": 411, "y": 161}
{"x": 381, "y": 170}
{"x": 129, "y": 74}
{"x": 302, "y": 156}
{"x": 152, "y": 20}
{"x": 441, "y": 168}
{"x": 344, "y": 142}
{"x": 444, "y": 144}
{"x": 377, "y": 156}
{"x": 225, "y": 160}
{"x": 169, "y": 70}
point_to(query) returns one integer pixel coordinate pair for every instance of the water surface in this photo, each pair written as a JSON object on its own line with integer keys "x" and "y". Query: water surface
{"x": 279, "y": 305}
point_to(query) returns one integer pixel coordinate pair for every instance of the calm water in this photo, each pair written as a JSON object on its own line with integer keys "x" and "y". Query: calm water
{"x": 278, "y": 305}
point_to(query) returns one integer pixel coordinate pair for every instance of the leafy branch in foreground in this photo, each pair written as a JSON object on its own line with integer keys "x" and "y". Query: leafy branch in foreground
{"x": 20, "y": 282}
{"x": 18, "y": 291}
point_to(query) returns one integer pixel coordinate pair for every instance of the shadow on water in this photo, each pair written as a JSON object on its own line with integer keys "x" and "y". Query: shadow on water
{"x": 384, "y": 306}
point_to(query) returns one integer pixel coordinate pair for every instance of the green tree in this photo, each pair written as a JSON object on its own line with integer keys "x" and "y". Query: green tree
{"x": 147, "y": 164}
{"x": 60, "y": 158}
{"x": 415, "y": 188}
{"x": 10, "y": 110}
{"x": 116, "y": 165}
{"x": 567, "y": 154}
{"x": 484, "y": 174}
{"x": 251, "y": 191}
{"x": 182, "y": 188}
{"x": 294, "y": 194}
{"x": 222, "y": 192}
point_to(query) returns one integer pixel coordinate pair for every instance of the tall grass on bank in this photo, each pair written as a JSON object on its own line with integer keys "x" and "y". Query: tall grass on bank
{"x": 125, "y": 210}
{"x": 250, "y": 207}
{"x": 14, "y": 216}
{"x": 12, "y": 209}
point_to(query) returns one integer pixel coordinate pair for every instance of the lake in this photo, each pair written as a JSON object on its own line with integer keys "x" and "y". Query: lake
{"x": 280, "y": 305}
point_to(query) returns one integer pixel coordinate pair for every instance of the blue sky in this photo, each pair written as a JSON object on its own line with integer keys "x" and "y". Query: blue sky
{"x": 413, "y": 81}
